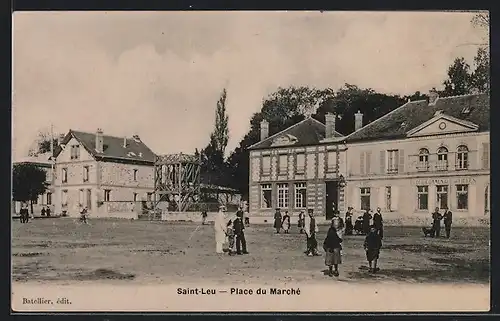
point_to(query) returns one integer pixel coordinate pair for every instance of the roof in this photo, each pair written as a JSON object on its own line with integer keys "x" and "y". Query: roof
{"x": 40, "y": 159}
{"x": 218, "y": 188}
{"x": 308, "y": 132}
{"x": 136, "y": 151}
{"x": 397, "y": 123}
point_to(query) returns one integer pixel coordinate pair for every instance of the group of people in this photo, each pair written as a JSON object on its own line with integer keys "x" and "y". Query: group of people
{"x": 281, "y": 222}
{"x": 24, "y": 214}
{"x": 447, "y": 218}
{"x": 230, "y": 232}
{"x": 362, "y": 223}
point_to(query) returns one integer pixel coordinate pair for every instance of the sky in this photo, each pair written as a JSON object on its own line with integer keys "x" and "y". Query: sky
{"x": 160, "y": 74}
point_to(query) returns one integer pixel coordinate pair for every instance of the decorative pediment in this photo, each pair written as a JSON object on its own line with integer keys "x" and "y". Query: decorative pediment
{"x": 285, "y": 139}
{"x": 442, "y": 124}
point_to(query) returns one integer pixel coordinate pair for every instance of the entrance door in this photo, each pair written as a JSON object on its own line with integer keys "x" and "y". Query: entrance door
{"x": 331, "y": 198}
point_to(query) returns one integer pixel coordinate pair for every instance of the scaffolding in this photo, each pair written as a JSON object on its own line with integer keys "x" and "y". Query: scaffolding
{"x": 177, "y": 181}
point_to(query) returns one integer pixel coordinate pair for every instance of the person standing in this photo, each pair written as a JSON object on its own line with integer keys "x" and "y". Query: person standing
{"x": 348, "y": 221}
{"x": 204, "y": 217}
{"x": 447, "y": 219}
{"x": 277, "y": 220}
{"x": 338, "y": 224}
{"x": 300, "y": 223}
{"x": 24, "y": 214}
{"x": 366, "y": 222}
{"x": 43, "y": 211}
{"x": 230, "y": 237}
{"x": 48, "y": 211}
{"x": 239, "y": 232}
{"x": 333, "y": 250}
{"x": 286, "y": 222}
{"x": 378, "y": 222}
{"x": 311, "y": 228}
{"x": 220, "y": 230}
{"x": 83, "y": 215}
{"x": 436, "y": 222}
{"x": 372, "y": 246}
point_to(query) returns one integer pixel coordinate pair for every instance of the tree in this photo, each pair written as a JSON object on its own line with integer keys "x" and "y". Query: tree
{"x": 220, "y": 135}
{"x": 460, "y": 80}
{"x": 481, "y": 75}
{"x": 42, "y": 143}
{"x": 28, "y": 182}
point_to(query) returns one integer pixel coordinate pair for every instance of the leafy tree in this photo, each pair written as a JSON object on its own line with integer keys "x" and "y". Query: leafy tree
{"x": 459, "y": 80}
{"x": 28, "y": 182}
{"x": 42, "y": 143}
{"x": 481, "y": 75}
{"x": 220, "y": 135}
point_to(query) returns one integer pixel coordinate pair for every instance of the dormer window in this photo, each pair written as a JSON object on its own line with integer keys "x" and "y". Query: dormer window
{"x": 402, "y": 126}
{"x": 466, "y": 110}
{"x": 131, "y": 154}
{"x": 438, "y": 112}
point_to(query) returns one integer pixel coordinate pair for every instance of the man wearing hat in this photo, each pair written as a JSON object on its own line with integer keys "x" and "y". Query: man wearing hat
{"x": 348, "y": 221}
{"x": 277, "y": 220}
{"x": 311, "y": 228}
{"x": 239, "y": 232}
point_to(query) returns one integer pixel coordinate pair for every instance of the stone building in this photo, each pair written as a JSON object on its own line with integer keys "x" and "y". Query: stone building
{"x": 300, "y": 167}
{"x": 106, "y": 174}
{"x": 422, "y": 155}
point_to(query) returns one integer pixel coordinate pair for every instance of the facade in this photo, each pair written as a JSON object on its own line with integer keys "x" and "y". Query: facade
{"x": 423, "y": 155}
{"x": 106, "y": 174}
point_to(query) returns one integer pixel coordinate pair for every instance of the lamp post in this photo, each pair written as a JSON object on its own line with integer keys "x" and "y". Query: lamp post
{"x": 342, "y": 184}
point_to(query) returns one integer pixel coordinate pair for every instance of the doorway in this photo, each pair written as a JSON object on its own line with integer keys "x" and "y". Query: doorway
{"x": 331, "y": 198}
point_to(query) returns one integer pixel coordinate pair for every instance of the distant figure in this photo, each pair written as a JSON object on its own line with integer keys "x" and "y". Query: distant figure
{"x": 277, "y": 220}
{"x": 24, "y": 213}
{"x": 239, "y": 232}
{"x": 348, "y": 221}
{"x": 436, "y": 222}
{"x": 333, "y": 250}
{"x": 220, "y": 230}
{"x": 338, "y": 224}
{"x": 230, "y": 237}
{"x": 43, "y": 211}
{"x": 311, "y": 228}
{"x": 366, "y": 221}
{"x": 300, "y": 222}
{"x": 372, "y": 246}
{"x": 447, "y": 219}
{"x": 83, "y": 215}
{"x": 203, "y": 217}
{"x": 378, "y": 222}
{"x": 48, "y": 211}
{"x": 286, "y": 222}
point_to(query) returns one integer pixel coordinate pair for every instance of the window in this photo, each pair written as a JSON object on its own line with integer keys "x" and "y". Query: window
{"x": 75, "y": 151}
{"x": 462, "y": 157}
{"x": 442, "y": 163}
{"x": 332, "y": 161}
{"x": 85, "y": 173}
{"x": 301, "y": 163}
{"x": 423, "y": 159}
{"x": 135, "y": 175}
{"x": 81, "y": 197}
{"x": 135, "y": 197}
{"x": 423, "y": 197}
{"x": 462, "y": 197}
{"x": 442, "y": 196}
{"x": 64, "y": 198}
{"x": 388, "y": 195}
{"x": 283, "y": 159}
{"x": 365, "y": 198}
{"x": 149, "y": 196}
{"x": 266, "y": 196}
{"x": 266, "y": 165}
{"x": 49, "y": 198}
{"x": 300, "y": 195}
{"x": 107, "y": 195}
{"x": 89, "y": 199}
{"x": 64, "y": 175}
{"x": 283, "y": 195}
{"x": 392, "y": 161}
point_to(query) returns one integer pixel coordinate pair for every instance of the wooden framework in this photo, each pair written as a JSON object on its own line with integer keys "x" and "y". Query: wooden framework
{"x": 177, "y": 180}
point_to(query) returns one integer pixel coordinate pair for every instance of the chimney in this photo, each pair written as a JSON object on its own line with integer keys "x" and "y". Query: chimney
{"x": 264, "y": 129}
{"x": 433, "y": 96}
{"x": 124, "y": 142}
{"x": 358, "y": 120}
{"x": 330, "y": 125}
{"x": 99, "y": 142}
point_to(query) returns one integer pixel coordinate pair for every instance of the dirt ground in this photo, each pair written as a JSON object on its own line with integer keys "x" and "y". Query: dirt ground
{"x": 64, "y": 251}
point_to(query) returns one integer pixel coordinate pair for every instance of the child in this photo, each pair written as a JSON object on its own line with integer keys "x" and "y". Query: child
{"x": 286, "y": 222}
{"x": 333, "y": 255}
{"x": 230, "y": 237}
{"x": 372, "y": 246}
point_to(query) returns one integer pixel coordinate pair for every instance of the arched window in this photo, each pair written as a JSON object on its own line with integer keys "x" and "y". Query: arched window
{"x": 462, "y": 157}
{"x": 423, "y": 159}
{"x": 442, "y": 163}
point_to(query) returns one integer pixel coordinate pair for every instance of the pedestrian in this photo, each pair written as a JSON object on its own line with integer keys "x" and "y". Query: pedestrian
{"x": 300, "y": 222}
{"x": 333, "y": 250}
{"x": 338, "y": 223}
{"x": 43, "y": 211}
{"x": 239, "y": 232}
{"x": 203, "y": 217}
{"x": 83, "y": 215}
{"x": 436, "y": 222}
{"x": 277, "y": 220}
{"x": 366, "y": 221}
{"x": 48, "y": 211}
{"x": 311, "y": 228}
{"x": 447, "y": 219}
{"x": 348, "y": 221}
{"x": 230, "y": 237}
{"x": 372, "y": 246}
{"x": 378, "y": 222}
{"x": 220, "y": 230}
{"x": 286, "y": 222}
{"x": 24, "y": 214}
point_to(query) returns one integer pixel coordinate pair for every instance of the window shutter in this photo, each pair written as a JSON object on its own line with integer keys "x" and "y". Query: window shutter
{"x": 354, "y": 198}
{"x": 471, "y": 198}
{"x": 486, "y": 154}
{"x": 382, "y": 162}
{"x": 394, "y": 198}
{"x": 432, "y": 198}
{"x": 368, "y": 162}
{"x": 401, "y": 167}
{"x": 362, "y": 164}
{"x": 381, "y": 197}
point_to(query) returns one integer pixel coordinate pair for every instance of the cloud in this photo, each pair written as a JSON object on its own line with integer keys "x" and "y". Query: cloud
{"x": 160, "y": 74}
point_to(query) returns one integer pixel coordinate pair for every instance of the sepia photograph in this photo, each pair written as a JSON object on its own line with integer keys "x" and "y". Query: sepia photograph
{"x": 250, "y": 161}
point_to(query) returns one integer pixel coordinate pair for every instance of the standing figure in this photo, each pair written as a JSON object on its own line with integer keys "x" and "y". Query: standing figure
{"x": 239, "y": 232}
{"x": 286, "y": 222}
{"x": 24, "y": 213}
{"x": 230, "y": 237}
{"x": 300, "y": 223}
{"x": 333, "y": 250}
{"x": 378, "y": 222}
{"x": 311, "y": 228}
{"x": 348, "y": 221}
{"x": 372, "y": 246}
{"x": 204, "y": 217}
{"x": 220, "y": 230}
{"x": 447, "y": 219}
{"x": 338, "y": 224}
{"x": 48, "y": 211}
{"x": 277, "y": 220}
{"x": 43, "y": 211}
{"x": 436, "y": 222}
{"x": 83, "y": 215}
{"x": 366, "y": 221}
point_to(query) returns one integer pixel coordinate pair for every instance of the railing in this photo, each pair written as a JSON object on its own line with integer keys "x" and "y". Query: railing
{"x": 453, "y": 162}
